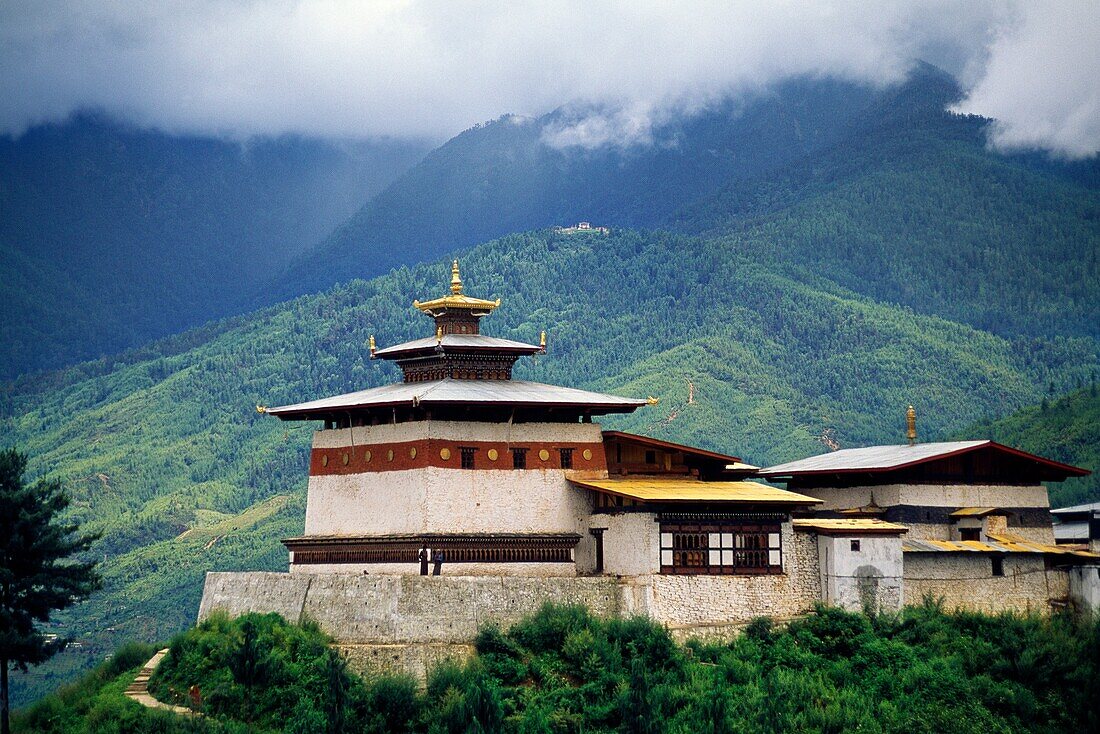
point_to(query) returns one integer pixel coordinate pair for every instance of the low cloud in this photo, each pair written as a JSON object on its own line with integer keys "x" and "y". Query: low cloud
{"x": 347, "y": 68}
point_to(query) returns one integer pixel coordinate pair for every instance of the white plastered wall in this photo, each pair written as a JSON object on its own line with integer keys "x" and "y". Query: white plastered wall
{"x": 446, "y": 500}
{"x": 868, "y": 578}
{"x": 630, "y": 543}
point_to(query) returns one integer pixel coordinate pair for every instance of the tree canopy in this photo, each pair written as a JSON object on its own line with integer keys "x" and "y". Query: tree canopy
{"x": 37, "y": 572}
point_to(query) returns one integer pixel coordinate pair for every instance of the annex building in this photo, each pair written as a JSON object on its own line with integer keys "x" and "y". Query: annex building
{"x": 461, "y": 495}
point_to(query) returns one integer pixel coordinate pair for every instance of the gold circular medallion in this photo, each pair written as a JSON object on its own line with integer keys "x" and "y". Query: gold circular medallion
{"x": 587, "y": 454}
{"x": 493, "y": 454}
{"x": 389, "y": 455}
{"x": 345, "y": 458}
{"x": 445, "y": 454}
{"x": 324, "y": 459}
{"x": 544, "y": 455}
{"x": 412, "y": 452}
{"x": 368, "y": 456}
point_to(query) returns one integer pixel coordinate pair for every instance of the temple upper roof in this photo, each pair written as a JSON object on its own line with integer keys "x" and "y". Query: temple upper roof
{"x": 463, "y": 342}
{"x": 459, "y": 374}
{"x": 451, "y": 392}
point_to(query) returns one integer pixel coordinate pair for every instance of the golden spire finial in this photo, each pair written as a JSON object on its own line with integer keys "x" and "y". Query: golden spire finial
{"x": 456, "y": 279}
{"x": 372, "y": 346}
{"x": 911, "y": 425}
{"x": 439, "y": 335}
{"x": 542, "y": 341}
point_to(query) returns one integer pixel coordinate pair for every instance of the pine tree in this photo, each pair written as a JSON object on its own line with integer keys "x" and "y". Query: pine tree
{"x": 37, "y": 575}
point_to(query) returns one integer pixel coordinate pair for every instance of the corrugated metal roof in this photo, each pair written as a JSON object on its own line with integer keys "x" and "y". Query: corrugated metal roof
{"x": 474, "y": 342}
{"x": 853, "y": 526}
{"x": 976, "y": 511}
{"x": 871, "y": 457}
{"x": 1089, "y": 507}
{"x": 885, "y": 458}
{"x": 484, "y": 392}
{"x": 653, "y": 489}
{"x": 995, "y": 544}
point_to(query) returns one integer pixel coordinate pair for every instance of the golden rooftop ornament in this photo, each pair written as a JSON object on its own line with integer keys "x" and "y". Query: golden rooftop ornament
{"x": 372, "y": 349}
{"x": 456, "y": 279}
{"x": 911, "y": 425}
{"x": 456, "y": 301}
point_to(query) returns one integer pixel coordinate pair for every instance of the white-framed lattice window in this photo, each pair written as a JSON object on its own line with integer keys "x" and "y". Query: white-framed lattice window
{"x": 721, "y": 548}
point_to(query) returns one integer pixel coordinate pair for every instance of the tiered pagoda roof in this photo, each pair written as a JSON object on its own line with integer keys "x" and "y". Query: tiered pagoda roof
{"x": 459, "y": 373}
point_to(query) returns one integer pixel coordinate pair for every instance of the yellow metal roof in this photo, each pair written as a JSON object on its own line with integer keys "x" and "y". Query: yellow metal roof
{"x": 849, "y": 525}
{"x": 975, "y": 511}
{"x": 997, "y": 543}
{"x": 677, "y": 489}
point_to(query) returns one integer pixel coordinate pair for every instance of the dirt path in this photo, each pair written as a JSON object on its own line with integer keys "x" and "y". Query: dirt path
{"x": 139, "y": 689}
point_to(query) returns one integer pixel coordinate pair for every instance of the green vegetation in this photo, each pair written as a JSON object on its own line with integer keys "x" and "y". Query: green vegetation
{"x": 563, "y": 670}
{"x": 822, "y": 276}
{"x": 1065, "y": 428}
{"x": 95, "y": 704}
{"x": 163, "y": 452}
{"x": 40, "y": 571}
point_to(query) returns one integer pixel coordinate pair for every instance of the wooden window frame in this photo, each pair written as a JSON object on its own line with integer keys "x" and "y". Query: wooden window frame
{"x": 566, "y": 457}
{"x": 519, "y": 458}
{"x": 467, "y": 456}
{"x": 721, "y": 548}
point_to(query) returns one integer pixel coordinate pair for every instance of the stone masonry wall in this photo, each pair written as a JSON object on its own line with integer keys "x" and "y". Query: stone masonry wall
{"x": 700, "y": 602}
{"x": 402, "y": 622}
{"x": 965, "y": 581}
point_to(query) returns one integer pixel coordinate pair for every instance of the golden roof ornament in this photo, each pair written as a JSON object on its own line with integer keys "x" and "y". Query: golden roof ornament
{"x": 372, "y": 347}
{"x": 456, "y": 279}
{"x": 911, "y": 425}
{"x": 456, "y": 300}
{"x": 542, "y": 341}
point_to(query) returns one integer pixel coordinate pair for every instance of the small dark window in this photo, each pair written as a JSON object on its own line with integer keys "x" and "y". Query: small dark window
{"x": 998, "y": 566}
{"x": 467, "y": 453}
{"x": 566, "y": 458}
{"x": 519, "y": 458}
{"x": 855, "y": 546}
{"x": 651, "y": 457}
{"x": 970, "y": 533}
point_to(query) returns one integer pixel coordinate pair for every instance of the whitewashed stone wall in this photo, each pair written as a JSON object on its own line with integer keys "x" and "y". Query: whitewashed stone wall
{"x": 867, "y": 579}
{"x": 1084, "y": 588}
{"x": 631, "y": 543}
{"x": 446, "y": 500}
{"x": 966, "y": 581}
{"x": 932, "y": 495}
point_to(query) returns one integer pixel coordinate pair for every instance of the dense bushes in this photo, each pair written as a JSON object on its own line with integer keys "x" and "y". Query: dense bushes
{"x": 564, "y": 670}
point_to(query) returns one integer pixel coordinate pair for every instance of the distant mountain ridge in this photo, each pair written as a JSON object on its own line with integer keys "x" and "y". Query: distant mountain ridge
{"x": 111, "y": 236}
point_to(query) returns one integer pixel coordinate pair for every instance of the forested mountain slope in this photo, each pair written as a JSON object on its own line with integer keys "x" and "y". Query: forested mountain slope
{"x": 111, "y": 236}
{"x": 515, "y": 174}
{"x": 931, "y": 221}
{"x": 882, "y": 191}
{"x": 1065, "y": 428}
{"x": 163, "y": 451}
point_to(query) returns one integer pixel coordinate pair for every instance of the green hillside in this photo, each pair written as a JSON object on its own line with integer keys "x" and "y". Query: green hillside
{"x": 1065, "y": 428}
{"x": 163, "y": 451}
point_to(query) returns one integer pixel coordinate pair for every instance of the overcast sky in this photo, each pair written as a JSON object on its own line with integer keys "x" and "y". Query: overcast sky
{"x": 357, "y": 68}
